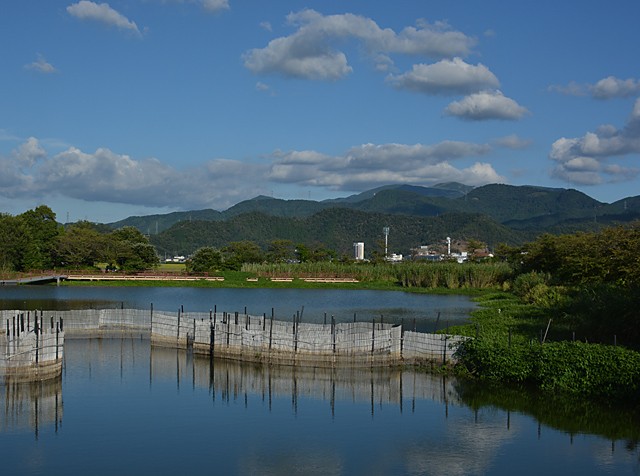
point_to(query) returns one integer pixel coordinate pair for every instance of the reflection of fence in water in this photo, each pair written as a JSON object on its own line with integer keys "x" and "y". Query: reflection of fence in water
{"x": 31, "y": 405}
{"x": 233, "y": 380}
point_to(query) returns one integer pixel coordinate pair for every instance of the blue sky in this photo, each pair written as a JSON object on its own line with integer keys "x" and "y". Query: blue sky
{"x": 135, "y": 107}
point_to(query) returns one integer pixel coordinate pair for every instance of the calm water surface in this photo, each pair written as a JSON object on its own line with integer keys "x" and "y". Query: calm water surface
{"x": 123, "y": 407}
{"x": 392, "y": 306}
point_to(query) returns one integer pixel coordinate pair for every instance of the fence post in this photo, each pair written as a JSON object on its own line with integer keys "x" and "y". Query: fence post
{"x": 401, "y": 340}
{"x": 295, "y": 333}
{"x": 444, "y": 354}
{"x": 212, "y": 338}
{"x": 373, "y": 335}
{"x": 271, "y": 329}
{"x": 333, "y": 333}
{"x": 36, "y": 330}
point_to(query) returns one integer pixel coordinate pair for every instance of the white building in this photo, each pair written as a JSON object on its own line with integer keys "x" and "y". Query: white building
{"x": 358, "y": 250}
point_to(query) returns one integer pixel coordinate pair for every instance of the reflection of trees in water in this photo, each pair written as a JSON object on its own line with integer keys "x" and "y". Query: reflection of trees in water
{"x": 572, "y": 415}
{"x": 31, "y": 405}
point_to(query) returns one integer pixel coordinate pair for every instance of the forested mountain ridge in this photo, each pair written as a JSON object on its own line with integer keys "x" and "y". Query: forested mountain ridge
{"x": 335, "y": 228}
{"x": 509, "y": 214}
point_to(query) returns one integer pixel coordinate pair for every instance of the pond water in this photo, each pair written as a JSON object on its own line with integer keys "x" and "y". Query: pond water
{"x": 124, "y": 407}
{"x": 427, "y": 312}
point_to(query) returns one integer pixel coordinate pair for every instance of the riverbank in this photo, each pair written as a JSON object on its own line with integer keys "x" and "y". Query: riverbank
{"x": 518, "y": 343}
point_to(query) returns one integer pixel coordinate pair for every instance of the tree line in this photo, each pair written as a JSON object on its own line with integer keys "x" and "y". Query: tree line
{"x": 34, "y": 240}
{"x": 586, "y": 282}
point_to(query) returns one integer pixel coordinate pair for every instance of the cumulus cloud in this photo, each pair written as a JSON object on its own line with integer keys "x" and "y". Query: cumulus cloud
{"x": 585, "y": 160}
{"x": 512, "y": 141}
{"x": 486, "y": 105}
{"x": 371, "y": 165}
{"x": 215, "y": 5}
{"x": 41, "y": 65}
{"x": 29, "y": 152}
{"x": 105, "y": 176}
{"x": 448, "y": 76}
{"x": 310, "y": 52}
{"x": 606, "y": 88}
{"x": 212, "y": 6}
{"x": 103, "y": 13}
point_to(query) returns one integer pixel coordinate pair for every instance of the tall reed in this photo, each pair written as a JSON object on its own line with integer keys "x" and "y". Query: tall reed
{"x": 425, "y": 275}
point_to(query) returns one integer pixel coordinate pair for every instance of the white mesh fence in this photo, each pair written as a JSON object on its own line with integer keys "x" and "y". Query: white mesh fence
{"x": 243, "y": 334}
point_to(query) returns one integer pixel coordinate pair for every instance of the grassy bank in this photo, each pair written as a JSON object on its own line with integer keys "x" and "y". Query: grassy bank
{"x": 518, "y": 343}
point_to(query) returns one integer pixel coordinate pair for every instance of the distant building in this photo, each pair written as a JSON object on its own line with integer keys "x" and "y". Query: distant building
{"x": 358, "y": 250}
{"x": 394, "y": 258}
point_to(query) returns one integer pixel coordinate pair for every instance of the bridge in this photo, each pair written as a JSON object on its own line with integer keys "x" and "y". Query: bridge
{"x": 42, "y": 279}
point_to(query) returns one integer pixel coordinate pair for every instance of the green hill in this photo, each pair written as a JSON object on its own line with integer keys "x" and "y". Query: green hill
{"x": 493, "y": 213}
{"x": 337, "y": 229}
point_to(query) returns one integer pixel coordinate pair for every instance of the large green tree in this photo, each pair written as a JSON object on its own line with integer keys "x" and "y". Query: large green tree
{"x": 130, "y": 250}
{"x": 80, "y": 245}
{"x": 42, "y": 230}
{"x": 204, "y": 260}
{"x": 14, "y": 238}
{"x": 239, "y": 252}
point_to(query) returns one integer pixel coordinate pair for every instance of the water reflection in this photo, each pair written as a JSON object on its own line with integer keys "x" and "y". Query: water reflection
{"x": 237, "y": 381}
{"x": 32, "y": 406}
{"x": 167, "y": 411}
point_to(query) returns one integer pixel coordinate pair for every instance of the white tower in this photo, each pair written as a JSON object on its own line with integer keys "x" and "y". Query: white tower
{"x": 385, "y": 230}
{"x": 448, "y": 245}
{"x": 358, "y": 250}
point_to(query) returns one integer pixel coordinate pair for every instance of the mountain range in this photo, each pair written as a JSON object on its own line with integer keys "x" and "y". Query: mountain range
{"x": 416, "y": 216}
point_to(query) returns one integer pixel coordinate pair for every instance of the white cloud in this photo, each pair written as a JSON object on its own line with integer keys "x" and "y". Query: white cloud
{"x": 212, "y": 6}
{"x": 612, "y": 87}
{"x": 215, "y": 5}
{"x": 606, "y": 88}
{"x": 103, "y": 13}
{"x": 29, "y": 152}
{"x": 41, "y": 66}
{"x": 372, "y": 165}
{"x": 486, "y": 105}
{"x": 310, "y": 52}
{"x": 512, "y": 141}
{"x": 448, "y": 76}
{"x": 104, "y": 176}
{"x": 584, "y": 160}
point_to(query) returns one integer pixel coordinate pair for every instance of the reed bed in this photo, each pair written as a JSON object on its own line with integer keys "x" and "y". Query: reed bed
{"x": 425, "y": 275}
